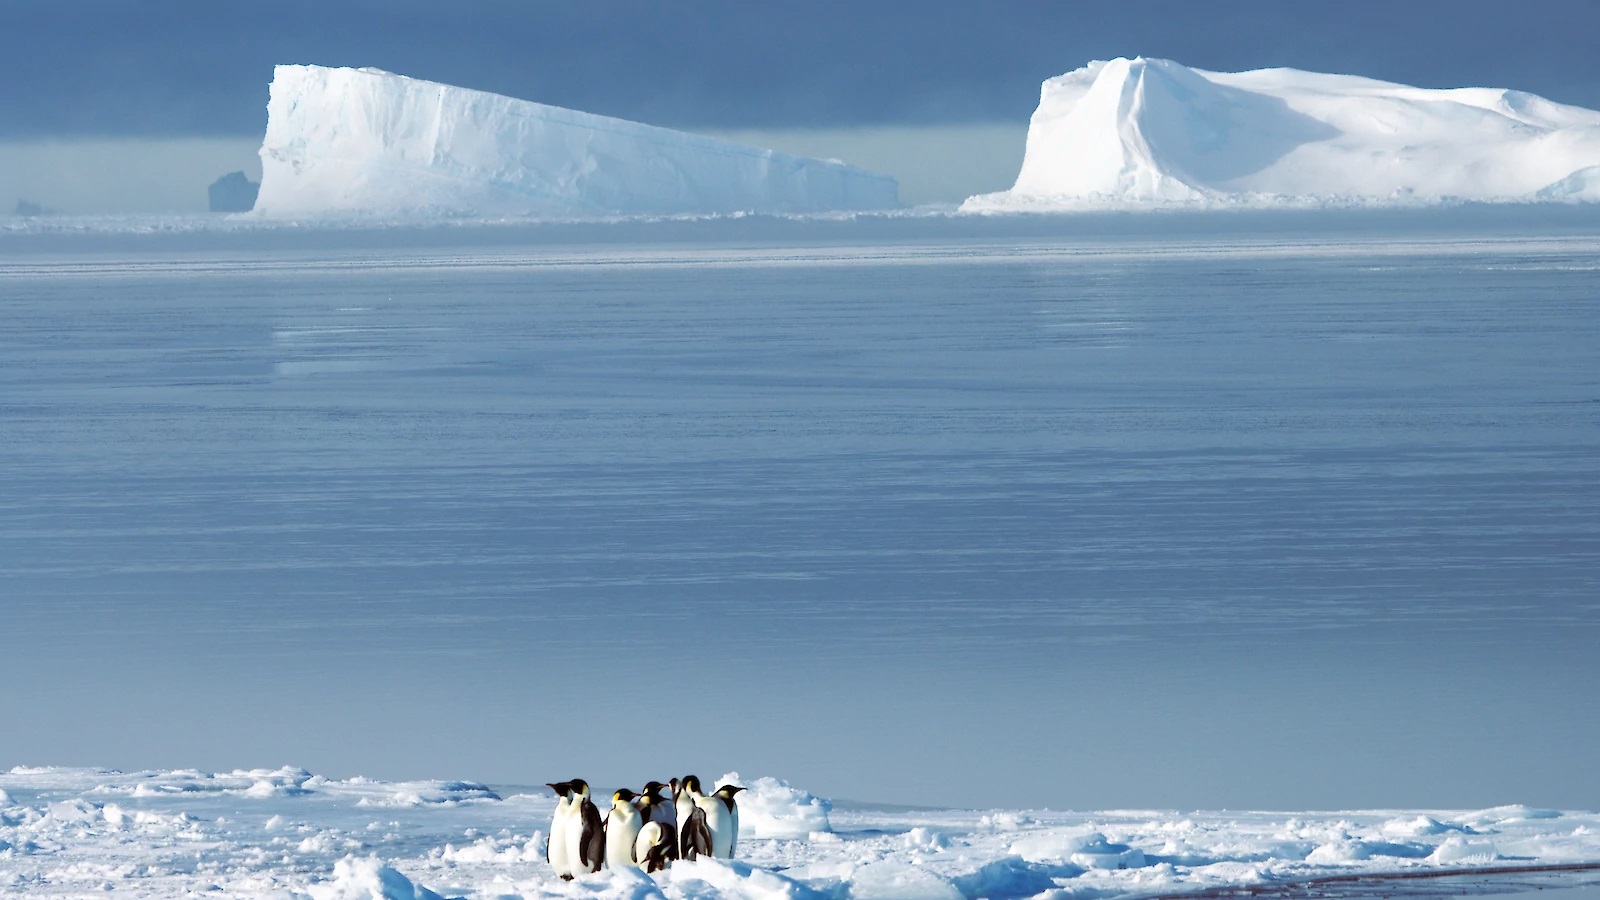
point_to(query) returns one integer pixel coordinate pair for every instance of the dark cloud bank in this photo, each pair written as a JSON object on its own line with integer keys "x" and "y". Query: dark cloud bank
{"x": 136, "y": 68}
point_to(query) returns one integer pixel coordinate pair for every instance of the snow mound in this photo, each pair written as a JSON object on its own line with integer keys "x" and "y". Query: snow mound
{"x": 892, "y": 880}
{"x": 1087, "y": 851}
{"x": 1151, "y": 132}
{"x": 733, "y": 878}
{"x": 368, "y": 879}
{"x": 1423, "y": 825}
{"x": 1457, "y": 849}
{"x": 771, "y": 808}
{"x": 1500, "y": 815}
{"x": 1352, "y": 850}
{"x": 344, "y": 141}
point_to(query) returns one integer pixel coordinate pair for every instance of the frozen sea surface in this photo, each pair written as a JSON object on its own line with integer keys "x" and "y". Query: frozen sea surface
{"x": 1180, "y": 521}
{"x": 291, "y": 835}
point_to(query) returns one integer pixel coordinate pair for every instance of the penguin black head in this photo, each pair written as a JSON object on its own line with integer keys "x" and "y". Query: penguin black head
{"x": 691, "y": 783}
{"x": 677, "y": 788}
{"x": 623, "y": 795}
{"x": 579, "y": 787}
{"x": 650, "y": 787}
{"x": 727, "y": 791}
{"x": 562, "y": 788}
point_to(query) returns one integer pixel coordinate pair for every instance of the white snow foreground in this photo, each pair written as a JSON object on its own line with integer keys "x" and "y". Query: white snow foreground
{"x": 364, "y": 141}
{"x": 290, "y": 835}
{"x": 1145, "y": 133}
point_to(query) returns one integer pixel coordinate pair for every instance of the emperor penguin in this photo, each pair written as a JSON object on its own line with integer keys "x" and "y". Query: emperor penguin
{"x": 556, "y": 850}
{"x": 657, "y": 844}
{"x": 622, "y": 830}
{"x": 722, "y": 817}
{"x": 694, "y": 836}
{"x": 586, "y": 835}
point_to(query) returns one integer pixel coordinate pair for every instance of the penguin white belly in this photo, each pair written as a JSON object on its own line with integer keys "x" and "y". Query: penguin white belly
{"x": 720, "y": 821}
{"x": 574, "y": 836}
{"x": 559, "y": 849}
{"x": 622, "y": 831}
{"x": 684, "y": 807}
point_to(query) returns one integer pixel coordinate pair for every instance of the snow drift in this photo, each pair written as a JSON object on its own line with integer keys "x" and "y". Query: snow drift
{"x": 367, "y": 141}
{"x": 1152, "y": 132}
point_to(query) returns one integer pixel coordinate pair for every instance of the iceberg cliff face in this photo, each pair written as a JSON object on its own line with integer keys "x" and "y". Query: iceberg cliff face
{"x": 1152, "y": 132}
{"x": 366, "y": 141}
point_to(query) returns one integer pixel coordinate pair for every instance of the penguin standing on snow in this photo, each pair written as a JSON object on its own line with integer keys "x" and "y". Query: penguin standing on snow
{"x": 622, "y": 830}
{"x": 586, "y": 836}
{"x": 723, "y": 819}
{"x": 694, "y": 835}
{"x": 657, "y": 844}
{"x": 556, "y": 849}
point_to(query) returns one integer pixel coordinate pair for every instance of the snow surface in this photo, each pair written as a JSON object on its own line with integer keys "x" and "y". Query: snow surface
{"x": 285, "y": 833}
{"x": 1152, "y": 132}
{"x": 343, "y": 140}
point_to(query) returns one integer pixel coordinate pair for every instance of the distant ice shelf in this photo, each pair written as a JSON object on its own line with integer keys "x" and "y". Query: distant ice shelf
{"x": 1141, "y": 133}
{"x": 364, "y": 141}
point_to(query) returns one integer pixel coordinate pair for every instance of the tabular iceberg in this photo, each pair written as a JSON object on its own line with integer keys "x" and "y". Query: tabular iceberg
{"x": 1152, "y": 132}
{"x": 345, "y": 141}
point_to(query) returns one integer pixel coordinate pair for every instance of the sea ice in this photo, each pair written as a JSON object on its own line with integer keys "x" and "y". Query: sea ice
{"x": 59, "y": 838}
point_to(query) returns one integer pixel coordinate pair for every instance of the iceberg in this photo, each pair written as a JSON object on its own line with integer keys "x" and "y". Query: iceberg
{"x": 1139, "y": 133}
{"x": 360, "y": 141}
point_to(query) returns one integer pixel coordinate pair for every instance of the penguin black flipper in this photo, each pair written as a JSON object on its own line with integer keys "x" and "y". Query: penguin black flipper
{"x": 592, "y": 842}
{"x": 696, "y": 837}
{"x": 669, "y": 839}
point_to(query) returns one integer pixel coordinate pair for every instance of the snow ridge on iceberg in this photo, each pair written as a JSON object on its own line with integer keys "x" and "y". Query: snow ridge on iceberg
{"x": 343, "y": 141}
{"x": 1152, "y": 132}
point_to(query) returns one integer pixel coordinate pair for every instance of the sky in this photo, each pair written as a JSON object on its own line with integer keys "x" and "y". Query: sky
{"x": 93, "y": 91}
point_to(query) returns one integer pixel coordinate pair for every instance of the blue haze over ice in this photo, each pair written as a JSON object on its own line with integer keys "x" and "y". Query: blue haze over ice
{"x": 1170, "y": 520}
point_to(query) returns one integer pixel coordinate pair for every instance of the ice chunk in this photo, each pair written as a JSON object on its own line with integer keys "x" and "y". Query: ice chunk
{"x": 367, "y": 141}
{"x": 1457, "y": 849}
{"x": 1152, "y": 132}
{"x": 771, "y": 808}
{"x": 368, "y": 879}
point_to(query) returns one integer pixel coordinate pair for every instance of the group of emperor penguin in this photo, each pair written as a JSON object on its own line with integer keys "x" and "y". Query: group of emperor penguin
{"x": 647, "y": 830}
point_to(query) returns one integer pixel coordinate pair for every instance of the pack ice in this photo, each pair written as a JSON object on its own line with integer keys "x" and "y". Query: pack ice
{"x": 287, "y": 834}
{"x": 343, "y": 141}
{"x": 1152, "y": 132}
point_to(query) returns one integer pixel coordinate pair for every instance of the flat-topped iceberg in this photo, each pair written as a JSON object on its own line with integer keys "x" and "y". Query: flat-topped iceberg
{"x": 358, "y": 141}
{"x": 1152, "y": 132}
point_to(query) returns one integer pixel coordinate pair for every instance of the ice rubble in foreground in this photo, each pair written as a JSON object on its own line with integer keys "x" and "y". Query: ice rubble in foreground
{"x": 1151, "y": 132}
{"x": 288, "y": 834}
{"x": 342, "y": 140}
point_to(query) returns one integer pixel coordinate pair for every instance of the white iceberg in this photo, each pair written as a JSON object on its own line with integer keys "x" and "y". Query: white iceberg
{"x": 363, "y": 141}
{"x": 1150, "y": 132}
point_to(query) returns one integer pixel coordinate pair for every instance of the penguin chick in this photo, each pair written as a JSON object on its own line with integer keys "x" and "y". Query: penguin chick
{"x": 622, "y": 830}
